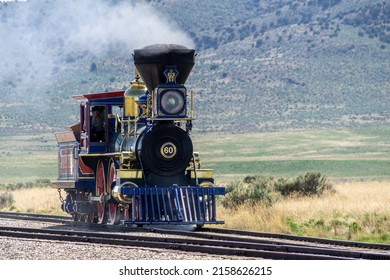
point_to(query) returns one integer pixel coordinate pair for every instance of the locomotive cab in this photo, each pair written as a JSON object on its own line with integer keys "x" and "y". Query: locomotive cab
{"x": 96, "y": 125}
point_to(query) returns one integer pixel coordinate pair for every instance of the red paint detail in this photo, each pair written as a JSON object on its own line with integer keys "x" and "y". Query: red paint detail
{"x": 113, "y": 94}
{"x": 85, "y": 169}
{"x": 100, "y": 179}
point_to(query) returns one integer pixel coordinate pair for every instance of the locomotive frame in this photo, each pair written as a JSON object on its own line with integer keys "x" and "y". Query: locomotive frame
{"x": 141, "y": 169}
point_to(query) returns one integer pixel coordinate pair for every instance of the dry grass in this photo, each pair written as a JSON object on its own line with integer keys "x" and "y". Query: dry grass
{"x": 37, "y": 200}
{"x": 358, "y": 211}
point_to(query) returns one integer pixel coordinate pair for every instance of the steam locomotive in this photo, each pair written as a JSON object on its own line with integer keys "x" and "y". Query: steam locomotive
{"x": 130, "y": 158}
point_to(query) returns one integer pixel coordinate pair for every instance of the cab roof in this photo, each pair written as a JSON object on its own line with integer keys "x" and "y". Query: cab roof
{"x": 113, "y": 97}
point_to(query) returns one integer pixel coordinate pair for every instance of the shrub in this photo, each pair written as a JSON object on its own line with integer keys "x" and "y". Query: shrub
{"x": 93, "y": 67}
{"x": 6, "y": 199}
{"x": 69, "y": 58}
{"x": 38, "y": 183}
{"x": 307, "y": 185}
{"x": 260, "y": 189}
{"x": 252, "y": 190}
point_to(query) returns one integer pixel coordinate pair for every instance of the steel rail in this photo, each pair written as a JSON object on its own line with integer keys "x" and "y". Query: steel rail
{"x": 34, "y": 217}
{"x": 243, "y": 249}
{"x": 283, "y": 245}
{"x": 212, "y": 231}
{"x": 240, "y": 239}
{"x": 229, "y": 235}
{"x": 318, "y": 240}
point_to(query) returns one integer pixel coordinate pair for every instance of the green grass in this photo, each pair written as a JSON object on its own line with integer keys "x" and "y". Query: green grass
{"x": 362, "y": 153}
{"x": 349, "y": 153}
{"x": 25, "y": 158}
{"x": 337, "y": 169}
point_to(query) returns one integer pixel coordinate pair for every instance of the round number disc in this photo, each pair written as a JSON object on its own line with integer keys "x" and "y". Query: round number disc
{"x": 168, "y": 150}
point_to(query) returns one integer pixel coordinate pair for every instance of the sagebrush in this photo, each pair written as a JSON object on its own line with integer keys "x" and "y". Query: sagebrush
{"x": 6, "y": 200}
{"x": 306, "y": 185}
{"x": 260, "y": 189}
{"x": 38, "y": 183}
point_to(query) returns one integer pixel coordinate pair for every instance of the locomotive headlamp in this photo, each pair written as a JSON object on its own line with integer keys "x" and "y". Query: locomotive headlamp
{"x": 172, "y": 102}
{"x": 170, "y": 98}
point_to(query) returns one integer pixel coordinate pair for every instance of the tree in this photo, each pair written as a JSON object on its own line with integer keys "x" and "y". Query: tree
{"x": 93, "y": 67}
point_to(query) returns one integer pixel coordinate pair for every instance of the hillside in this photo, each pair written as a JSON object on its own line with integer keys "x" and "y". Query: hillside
{"x": 261, "y": 65}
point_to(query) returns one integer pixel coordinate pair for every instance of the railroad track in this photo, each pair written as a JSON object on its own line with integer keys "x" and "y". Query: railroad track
{"x": 35, "y": 217}
{"x": 208, "y": 240}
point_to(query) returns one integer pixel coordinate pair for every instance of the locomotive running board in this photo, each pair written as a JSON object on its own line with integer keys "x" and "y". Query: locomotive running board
{"x": 173, "y": 205}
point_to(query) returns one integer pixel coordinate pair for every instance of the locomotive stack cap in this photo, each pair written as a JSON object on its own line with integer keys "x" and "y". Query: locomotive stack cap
{"x": 151, "y": 62}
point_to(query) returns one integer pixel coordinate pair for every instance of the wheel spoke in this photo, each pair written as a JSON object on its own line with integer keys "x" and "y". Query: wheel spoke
{"x": 100, "y": 189}
{"x": 113, "y": 213}
{"x": 101, "y": 211}
{"x": 112, "y": 207}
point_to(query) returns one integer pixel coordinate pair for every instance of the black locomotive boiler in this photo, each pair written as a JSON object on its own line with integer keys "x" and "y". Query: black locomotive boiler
{"x": 130, "y": 158}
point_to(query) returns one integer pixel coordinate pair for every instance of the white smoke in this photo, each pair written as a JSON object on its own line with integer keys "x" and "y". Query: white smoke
{"x": 125, "y": 25}
{"x": 47, "y": 48}
{"x": 37, "y": 34}
{"x": 98, "y": 25}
